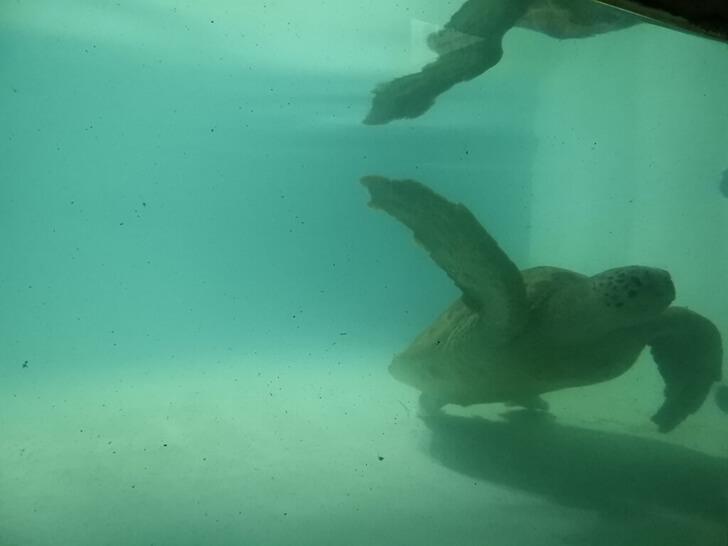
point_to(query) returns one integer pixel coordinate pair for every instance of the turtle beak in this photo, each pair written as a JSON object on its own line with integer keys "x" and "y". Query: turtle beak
{"x": 656, "y": 287}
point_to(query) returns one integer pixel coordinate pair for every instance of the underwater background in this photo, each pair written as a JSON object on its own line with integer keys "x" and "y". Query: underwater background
{"x": 198, "y": 308}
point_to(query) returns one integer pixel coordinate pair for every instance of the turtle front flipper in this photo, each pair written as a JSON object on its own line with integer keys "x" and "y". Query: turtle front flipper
{"x": 688, "y": 350}
{"x": 468, "y": 45}
{"x": 491, "y": 284}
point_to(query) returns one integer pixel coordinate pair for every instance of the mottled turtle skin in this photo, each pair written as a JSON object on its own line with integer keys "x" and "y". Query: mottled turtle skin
{"x": 514, "y": 335}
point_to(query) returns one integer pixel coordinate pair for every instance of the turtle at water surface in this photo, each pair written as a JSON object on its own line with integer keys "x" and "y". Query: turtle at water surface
{"x": 470, "y": 43}
{"x": 514, "y": 335}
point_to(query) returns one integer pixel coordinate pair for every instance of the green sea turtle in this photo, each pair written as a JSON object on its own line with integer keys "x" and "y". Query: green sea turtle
{"x": 514, "y": 335}
{"x": 470, "y": 42}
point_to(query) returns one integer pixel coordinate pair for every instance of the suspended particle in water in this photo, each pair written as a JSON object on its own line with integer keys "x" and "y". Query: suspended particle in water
{"x": 724, "y": 183}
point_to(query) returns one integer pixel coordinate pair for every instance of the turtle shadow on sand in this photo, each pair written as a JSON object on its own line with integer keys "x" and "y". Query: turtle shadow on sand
{"x": 606, "y": 472}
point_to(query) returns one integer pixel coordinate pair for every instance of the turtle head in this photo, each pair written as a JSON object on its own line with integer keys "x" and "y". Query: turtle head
{"x": 634, "y": 293}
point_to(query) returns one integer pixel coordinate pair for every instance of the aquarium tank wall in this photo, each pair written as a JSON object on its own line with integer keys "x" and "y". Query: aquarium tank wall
{"x": 207, "y": 336}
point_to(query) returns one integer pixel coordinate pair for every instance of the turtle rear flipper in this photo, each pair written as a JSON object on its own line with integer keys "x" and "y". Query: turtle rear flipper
{"x": 689, "y": 355}
{"x": 491, "y": 284}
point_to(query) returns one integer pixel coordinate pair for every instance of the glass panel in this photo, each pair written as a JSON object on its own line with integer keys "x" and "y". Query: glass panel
{"x": 200, "y": 311}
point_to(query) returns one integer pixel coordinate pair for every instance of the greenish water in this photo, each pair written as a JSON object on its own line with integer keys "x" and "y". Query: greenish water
{"x": 198, "y": 308}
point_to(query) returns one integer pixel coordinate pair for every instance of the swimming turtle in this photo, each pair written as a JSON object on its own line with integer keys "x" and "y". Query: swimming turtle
{"x": 514, "y": 335}
{"x": 470, "y": 42}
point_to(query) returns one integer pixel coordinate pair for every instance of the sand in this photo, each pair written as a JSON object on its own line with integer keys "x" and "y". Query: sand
{"x": 257, "y": 451}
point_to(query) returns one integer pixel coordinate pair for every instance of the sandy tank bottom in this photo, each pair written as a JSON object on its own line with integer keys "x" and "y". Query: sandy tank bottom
{"x": 257, "y": 451}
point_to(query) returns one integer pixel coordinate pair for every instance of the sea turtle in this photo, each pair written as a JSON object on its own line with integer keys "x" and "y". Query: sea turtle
{"x": 470, "y": 42}
{"x": 514, "y": 335}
